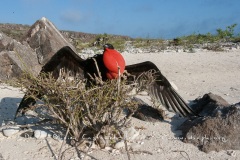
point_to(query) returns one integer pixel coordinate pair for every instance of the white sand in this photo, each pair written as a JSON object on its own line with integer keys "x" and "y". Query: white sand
{"x": 194, "y": 74}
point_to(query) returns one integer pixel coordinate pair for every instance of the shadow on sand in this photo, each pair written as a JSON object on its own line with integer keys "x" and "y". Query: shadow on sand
{"x": 8, "y": 108}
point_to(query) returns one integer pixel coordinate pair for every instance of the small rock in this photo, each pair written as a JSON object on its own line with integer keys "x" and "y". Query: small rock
{"x": 8, "y": 132}
{"x": 39, "y": 134}
{"x": 119, "y": 145}
{"x": 158, "y": 150}
{"x": 135, "y": 146}
{"x": 231, "y": 153}
{"x": 130, "y": 133}
{"x": 114, "y": 150}
{"x": 109, "y": 148}
{"x": 31, "y": 113}
{"x": 141, "y": 137}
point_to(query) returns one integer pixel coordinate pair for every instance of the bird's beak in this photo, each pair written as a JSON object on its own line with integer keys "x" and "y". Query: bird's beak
{"x": 105, "y": 46}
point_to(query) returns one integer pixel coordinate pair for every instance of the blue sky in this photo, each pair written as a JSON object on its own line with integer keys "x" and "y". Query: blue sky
{"x": 134, "y": 18}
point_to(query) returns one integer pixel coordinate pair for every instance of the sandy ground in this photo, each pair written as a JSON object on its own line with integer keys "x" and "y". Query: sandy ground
{"x": 193, "y": 73}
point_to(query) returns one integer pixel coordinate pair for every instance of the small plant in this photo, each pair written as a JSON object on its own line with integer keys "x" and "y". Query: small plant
{"x": 97, "y": 113}
{"x": 226, "y": 34}
{"x": 149, "y": 43}
{"x": 79, "y": 45}
{"x": 118, "y": 43}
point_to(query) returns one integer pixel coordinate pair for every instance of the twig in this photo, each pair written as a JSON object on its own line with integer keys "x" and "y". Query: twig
{"x": 125, "y": 143}
{"x": 126, "y": 147}
{"x": 99, "y": 73}
{"x": 139, "y": 152}
{"x": 119, "y": 81}
{"x": 60, "y": 152}
{"x": 188, "y": 158}
{"x": 92, "y": 120}
{"x": 86, "y": 154}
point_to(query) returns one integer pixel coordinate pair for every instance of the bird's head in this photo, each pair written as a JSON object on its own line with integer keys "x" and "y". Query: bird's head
{"x": 108, "y": 46}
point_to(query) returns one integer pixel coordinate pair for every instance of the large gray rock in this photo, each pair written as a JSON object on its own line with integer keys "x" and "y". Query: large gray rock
{"x": 16, "y": 59}
{"x": 39, "y": 44}
{"x": 4, "y": 41}
{"x": 45, "y": 39}
{"x": 206, "y": 105}
{"x": 219, "y": 130}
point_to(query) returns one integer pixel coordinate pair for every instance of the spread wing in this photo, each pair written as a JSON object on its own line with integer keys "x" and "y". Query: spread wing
{"x": 65, "y": 58}
{"x": 161, "y": 89}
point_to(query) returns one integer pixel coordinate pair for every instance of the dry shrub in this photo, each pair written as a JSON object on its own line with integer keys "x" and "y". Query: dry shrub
{"x": 97, "y": 113}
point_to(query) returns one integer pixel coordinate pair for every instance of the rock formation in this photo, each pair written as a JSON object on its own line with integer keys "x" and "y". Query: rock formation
{"x": 45, "y": 39}
{"x": 17, "y": 58}
{"x": 40, "y": 43}
{"x": 219, "y": 128}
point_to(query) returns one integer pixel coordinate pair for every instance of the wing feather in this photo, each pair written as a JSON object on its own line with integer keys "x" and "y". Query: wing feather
{"x": 177, "y": 107}
{"x": 161, "y": 89}
{"x": 65, "y": 58}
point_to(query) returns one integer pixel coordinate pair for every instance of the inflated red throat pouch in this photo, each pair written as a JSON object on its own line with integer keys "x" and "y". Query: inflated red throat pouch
{"x": 112, "y": 59}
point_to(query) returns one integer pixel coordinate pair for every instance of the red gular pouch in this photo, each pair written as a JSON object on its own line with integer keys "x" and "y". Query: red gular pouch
{"x": 112, "y": 59}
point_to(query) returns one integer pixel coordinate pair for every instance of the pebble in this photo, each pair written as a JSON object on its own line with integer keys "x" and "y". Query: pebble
{"x": 108, "y": 148}
{"x": 40, "y": 134}
{"x": 159, "y": 150}
{"x": 141, "y": 137}
{"x": 231, "y": 153}
{"x": 57, "y": 137}
{"x": 8, "y": 132}
{"x": 101, "y": 142}
{"x": 31, "y": 113}
{"x": 131, "y": 133}
{"x": 119, "y": 145}
{"x": 115, "y": 152}
{"x": 135, "y": 146}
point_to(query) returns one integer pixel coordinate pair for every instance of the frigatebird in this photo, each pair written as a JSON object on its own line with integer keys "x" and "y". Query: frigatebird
{"x": 109, "y": 63}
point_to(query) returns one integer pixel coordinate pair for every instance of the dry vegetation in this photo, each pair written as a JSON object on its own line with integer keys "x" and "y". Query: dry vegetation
{"x": 95, "y": 114}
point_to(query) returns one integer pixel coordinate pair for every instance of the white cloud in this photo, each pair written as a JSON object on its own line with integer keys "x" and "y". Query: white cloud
{"x": 72, "y": 16}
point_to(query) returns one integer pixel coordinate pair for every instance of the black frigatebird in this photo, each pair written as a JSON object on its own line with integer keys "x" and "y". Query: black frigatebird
{"x": 108, "y": 63}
